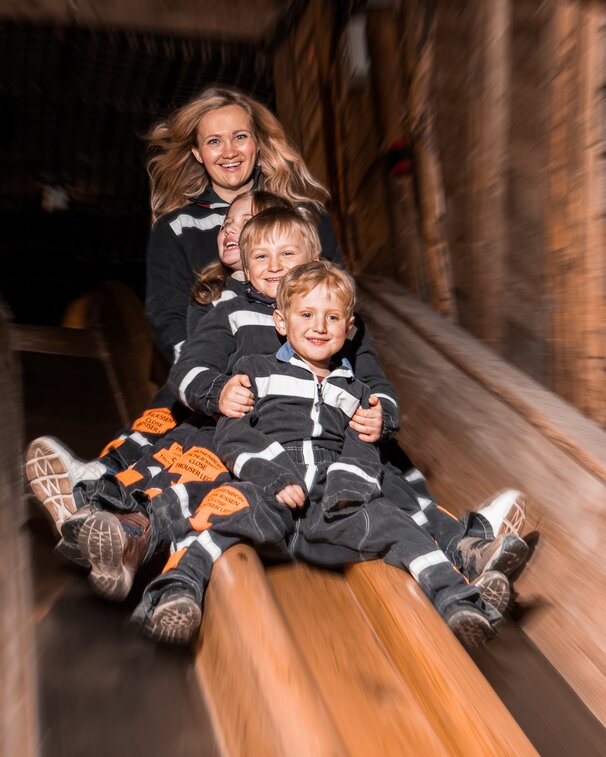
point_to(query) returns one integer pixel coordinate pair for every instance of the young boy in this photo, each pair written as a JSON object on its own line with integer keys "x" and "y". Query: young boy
{"x": 308, "y": 486}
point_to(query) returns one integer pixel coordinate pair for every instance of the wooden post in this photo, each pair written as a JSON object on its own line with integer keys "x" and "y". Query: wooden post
{"x": 388, "y": 85}
{"x": 489, "y": 90}
{"x": 575, "y": 224}
{"x": 419, "y": 21}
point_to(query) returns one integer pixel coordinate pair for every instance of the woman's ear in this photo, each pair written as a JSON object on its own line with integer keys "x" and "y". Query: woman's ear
{"x": 197, "y": 155}
{"x": 280, "y": 323}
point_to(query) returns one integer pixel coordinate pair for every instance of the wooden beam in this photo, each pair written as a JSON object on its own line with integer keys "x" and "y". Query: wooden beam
{"x": 576, "y": 263}
{"x": 476, "y": 425}
{"x": 420, "y": 29}
{"x": 489, "y": 76}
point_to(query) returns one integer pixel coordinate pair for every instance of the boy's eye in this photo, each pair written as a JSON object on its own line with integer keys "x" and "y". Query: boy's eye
{"x": 333, "y": 317}
{"x": 306, "y": 315}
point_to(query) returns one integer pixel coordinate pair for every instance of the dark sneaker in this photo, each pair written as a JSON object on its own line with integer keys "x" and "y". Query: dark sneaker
{"x": 506, "y": 512}
{"x": 469, "y": 625}
{"x": 505, "y": 554}
{"x": 52, "y": 471}
{"x": 175, "y": 618}
{"x": 68, "y": 546}
{"x": 494, "y": 589}
{"x": 115, "y": 546}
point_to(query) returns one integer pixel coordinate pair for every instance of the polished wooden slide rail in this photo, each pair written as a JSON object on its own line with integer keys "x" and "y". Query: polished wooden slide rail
{"x": 299, "y": 661}
{"x": 474, "y": 424}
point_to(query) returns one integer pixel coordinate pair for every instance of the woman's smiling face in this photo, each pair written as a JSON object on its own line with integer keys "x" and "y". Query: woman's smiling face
{"x": 227, "y": 148}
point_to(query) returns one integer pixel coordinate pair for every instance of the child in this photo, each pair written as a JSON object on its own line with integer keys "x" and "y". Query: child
{"x": 309, "y": 488}
{"x": 169, "y": 481}
{"x": 53, "y": 471}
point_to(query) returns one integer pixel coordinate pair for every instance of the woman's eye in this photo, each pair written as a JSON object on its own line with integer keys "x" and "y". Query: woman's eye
{"x": 241, "y": 136}
{"x": 212, "y": 141}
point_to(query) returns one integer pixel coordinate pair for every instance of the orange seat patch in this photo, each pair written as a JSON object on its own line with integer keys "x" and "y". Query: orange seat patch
{"x": 129, "y": 476}
{"x": 198, "y": 464}
{"x": 158, "y": 420}
{"x": 225, "y": 500}
{"x": 166, "y": 457}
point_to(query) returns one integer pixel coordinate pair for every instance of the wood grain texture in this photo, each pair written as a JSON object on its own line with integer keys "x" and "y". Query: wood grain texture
{"x": 476, "y": 425}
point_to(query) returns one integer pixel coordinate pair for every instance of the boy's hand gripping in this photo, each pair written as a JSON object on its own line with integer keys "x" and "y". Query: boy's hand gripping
{"x": 292, "y": 495}
{"x": 236, "y": 398}
{"x": 369, "y": 423}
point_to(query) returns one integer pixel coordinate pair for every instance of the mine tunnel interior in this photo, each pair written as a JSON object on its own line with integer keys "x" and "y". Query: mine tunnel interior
{"x": 447, "y": 138}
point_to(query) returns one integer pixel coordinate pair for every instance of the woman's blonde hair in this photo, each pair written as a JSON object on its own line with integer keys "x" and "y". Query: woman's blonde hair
{"x": 303, "y": 278}
{"x": 278, "y": 221}
{"x": 210, "y": 281}
{"x": 176, "y": 176}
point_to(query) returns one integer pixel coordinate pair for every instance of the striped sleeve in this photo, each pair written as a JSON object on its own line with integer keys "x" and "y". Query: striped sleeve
{"x": 367, "y": 369}
{"x": 199, "y": 375}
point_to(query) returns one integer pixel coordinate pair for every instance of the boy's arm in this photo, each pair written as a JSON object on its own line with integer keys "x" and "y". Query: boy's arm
{"x": 199, "y": 374}
{"x": 367, "y": 369}
{"x": 355, "y": 478}
{"x": 250, "y": 454}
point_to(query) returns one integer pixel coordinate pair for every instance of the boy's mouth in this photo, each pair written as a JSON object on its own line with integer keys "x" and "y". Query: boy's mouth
{"x": 316, "y": 341}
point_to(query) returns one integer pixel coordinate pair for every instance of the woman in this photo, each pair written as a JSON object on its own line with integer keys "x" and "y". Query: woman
{"x": 216, "y": 146}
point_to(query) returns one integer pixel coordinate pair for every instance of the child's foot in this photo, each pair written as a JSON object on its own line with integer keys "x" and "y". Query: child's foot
{"x": 115, "y": 546}
{"x": 175, "y": 618}
{"x": 505, "y": 554}
{"x": 506, "y": 512}
{"x": 469, "y": 625}
{"x": 52, "y": 471}
{"x": 68, "y": 546}
{"x": 494, "y": 589}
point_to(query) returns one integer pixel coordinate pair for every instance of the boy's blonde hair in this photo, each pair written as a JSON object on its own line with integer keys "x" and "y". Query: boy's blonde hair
{"x": 176, "y": 177}
{"x": 211, "y": 280}
{"x": 301, "y": 279}
{"x": 278, "y": 221}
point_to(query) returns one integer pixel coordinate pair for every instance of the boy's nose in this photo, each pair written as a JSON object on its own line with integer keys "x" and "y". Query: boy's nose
{"x": 275, "y": 263}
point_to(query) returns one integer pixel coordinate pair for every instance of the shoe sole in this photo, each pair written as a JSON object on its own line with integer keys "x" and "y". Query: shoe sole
{"x": 515, "y": 520}
{"x": 50, "y": 481}
{"x": 68, "y": 546}
{"x": 471, "y": 629}
{"x": 513, "y": 554}
{"x": 102, "y": 542}
{"x": 174, "y": 622}
{"x": 494, "y": 588}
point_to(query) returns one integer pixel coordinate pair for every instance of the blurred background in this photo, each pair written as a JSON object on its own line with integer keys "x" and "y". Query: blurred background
{"x": 464, "y": 144}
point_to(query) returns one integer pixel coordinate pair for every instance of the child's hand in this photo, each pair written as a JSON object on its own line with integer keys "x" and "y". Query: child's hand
{"x": 236, "y": 398}
{"x": 369, "y": 423}
{"x": 292, "y": 496}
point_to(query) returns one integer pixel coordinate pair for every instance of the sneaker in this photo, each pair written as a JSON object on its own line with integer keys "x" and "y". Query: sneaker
{"x": 506, "y": 512}
{"x": 494, "y": 589}
{"x": 52, "y": 471}
{"x": 469, "y": 625}
{"x": 115, "y": 546}
{"x": 175, "y": 619}
{"x": 505, "y": 554}
{"x": 68, "y": 546}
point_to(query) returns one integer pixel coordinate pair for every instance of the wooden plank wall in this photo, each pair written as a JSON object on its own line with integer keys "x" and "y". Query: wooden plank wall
{"x": 18, "y": 697}
{"x": 502, "y": 225}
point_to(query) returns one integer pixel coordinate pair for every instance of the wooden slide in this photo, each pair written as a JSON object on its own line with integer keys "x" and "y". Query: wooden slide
{"x": 294, "y": 660}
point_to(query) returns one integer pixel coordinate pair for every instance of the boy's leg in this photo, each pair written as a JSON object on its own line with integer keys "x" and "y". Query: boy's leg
{"x": 227, "y": 515}
{"x": 382, "y": 530}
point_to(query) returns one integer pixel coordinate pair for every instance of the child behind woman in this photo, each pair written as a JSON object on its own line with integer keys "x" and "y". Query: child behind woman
{"x": 305, "y": 486}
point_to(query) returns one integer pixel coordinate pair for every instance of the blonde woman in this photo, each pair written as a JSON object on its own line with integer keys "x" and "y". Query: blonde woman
{"x": 215, "y": 147}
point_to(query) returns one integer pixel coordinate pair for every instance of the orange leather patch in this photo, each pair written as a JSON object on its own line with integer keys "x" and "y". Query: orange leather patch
{"x": 113, "y": 444}
{"x": 166, "y": 457}
{"x": 129, "y": 476}
{"x": 158, "y": 420}
{"x": 174, "y": 559}
{"x": 151, "y": 493}
{"x": 198, "y": 464}
{"x": 225, "y": 500}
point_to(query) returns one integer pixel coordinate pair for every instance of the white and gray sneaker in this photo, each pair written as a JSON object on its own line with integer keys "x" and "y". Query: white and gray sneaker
{"x": 53, "y": 470}
{"x": 506, "y": 512}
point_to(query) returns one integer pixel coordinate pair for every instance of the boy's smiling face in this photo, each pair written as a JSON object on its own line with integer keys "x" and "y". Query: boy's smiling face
{"x": 272, "y": 257}
{"x": 316, "y": 324}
